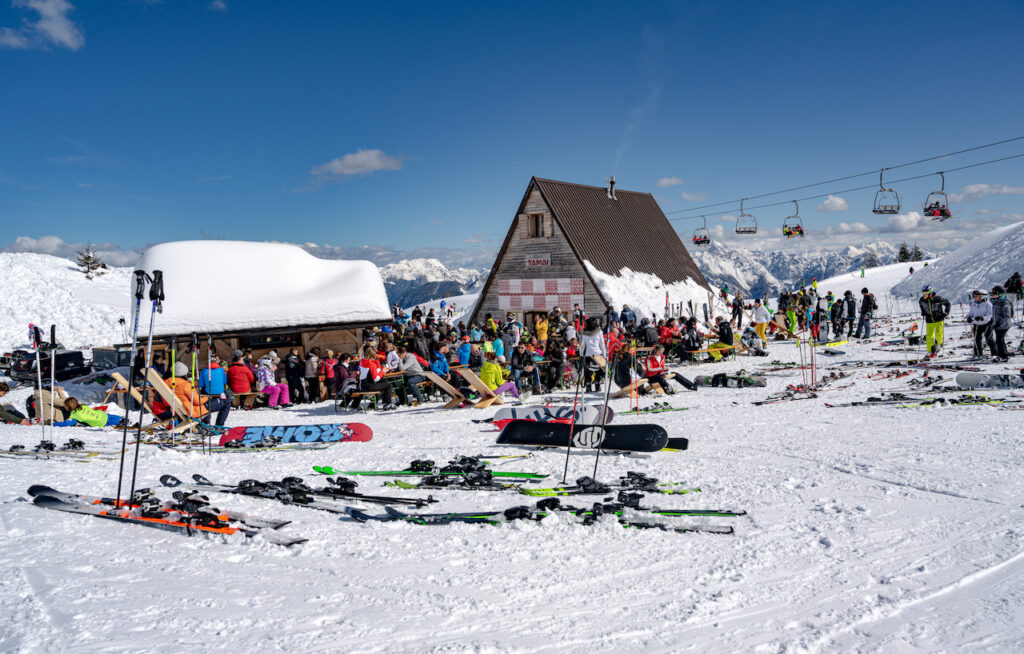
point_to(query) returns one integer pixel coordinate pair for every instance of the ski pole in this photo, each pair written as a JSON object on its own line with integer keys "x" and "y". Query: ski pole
{"x": 174, "y": 347}
{"x": 35, "y": 339}
{"x": 53, "y": 374}
{"x": 604, "y": 412}
{"x": 156, "y": 295}
{"x": 140, "y": 290}
{"x": 572, "y": 421}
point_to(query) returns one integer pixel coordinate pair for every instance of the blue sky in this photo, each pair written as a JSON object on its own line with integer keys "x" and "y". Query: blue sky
{"x": 416, "y": 126}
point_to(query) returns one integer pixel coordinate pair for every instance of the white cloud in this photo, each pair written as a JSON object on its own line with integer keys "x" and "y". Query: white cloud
{"x": 833, "y": 203}
{"x": 669, "y": 181}
{"x": 904, "y": 222}
{"x": 218, "y": 5}
{"x": 693, "y": 197}
{"x": 978, "y": 191}
{"x": 361, "y": 162}
{"x": 52, "y": 28}
{"x": 113, "y": 254}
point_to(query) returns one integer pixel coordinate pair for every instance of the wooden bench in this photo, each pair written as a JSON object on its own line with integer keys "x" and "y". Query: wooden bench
{"x": 725, "y": 350}
{"x": 477, "y": 384}
{"x": 458, "y": 399}
{"x": 372, "y": 396}
{"x": 637, "y": 387}
{"x": 245, "y": 400}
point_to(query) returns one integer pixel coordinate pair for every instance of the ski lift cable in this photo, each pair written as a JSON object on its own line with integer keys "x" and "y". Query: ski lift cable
{"x": 851, "y": 190}
{"x": 842, "y": 179}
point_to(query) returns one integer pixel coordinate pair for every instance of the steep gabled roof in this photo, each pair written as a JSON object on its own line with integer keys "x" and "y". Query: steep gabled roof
{"x": 630, "y": 231}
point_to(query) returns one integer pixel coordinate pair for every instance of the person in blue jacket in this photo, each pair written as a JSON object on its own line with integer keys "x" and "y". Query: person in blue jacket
{"x": 439, "y": 362}
{"x": 213, "y": 380}
{"x": 464, "y": 351}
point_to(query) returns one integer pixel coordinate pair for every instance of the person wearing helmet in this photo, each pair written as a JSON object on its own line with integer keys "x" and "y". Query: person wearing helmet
{"x": 980, "y": 319}
{"x": 934, "y": 309}
{"x": 1002, "y": 320}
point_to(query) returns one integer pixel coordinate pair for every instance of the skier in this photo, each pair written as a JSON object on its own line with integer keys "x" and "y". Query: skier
{"x": 493, "y": 376}
{"x": 737, "y": 310}
{"x": 1002, "y": 320}
{"x": 862, "y": 271}
{"x": 294, "y": 370}
{"x": 592, "y": 346}
{"x": 867, "y": 308}
{"x": 9, "y": 414}
{"x": 266, "y": 383}
{"x": 934, "y": 308}
{"x": 911, "y": 270}
{"x": 725, "y": 337}
{"x": 1015, "y": 285}
{"x": 655, "y": 370}
{"x": 86, "y": 416}
{"x": 627, "y": 316}
{"x": 761, "y": 318}
{"x": 312, "y": 378}
{"x": 848, "y": 312}
{"x": 980, "y": 319}
{"x": 371, "y": 375}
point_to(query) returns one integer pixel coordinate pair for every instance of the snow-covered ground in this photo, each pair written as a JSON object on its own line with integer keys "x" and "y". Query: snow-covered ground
{"x": 870, "y": 529}
{"x": 879, "y": 281}
{"x": 44, "y": 290}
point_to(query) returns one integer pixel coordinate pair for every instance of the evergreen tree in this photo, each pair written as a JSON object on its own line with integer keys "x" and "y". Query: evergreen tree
{"x": 916, "y": 255}
{"x": 871, "y": 260}
{"x": 90, "y": 263}
{"x": 904, "y": 253}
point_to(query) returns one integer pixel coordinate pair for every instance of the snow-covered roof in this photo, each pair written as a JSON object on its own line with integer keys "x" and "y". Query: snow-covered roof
{"x": 229, "y": 286}
{"x": 645, "y": 293}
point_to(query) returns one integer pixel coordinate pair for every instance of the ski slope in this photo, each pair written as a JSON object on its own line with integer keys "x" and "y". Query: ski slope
{"x": 44, "y": 290}
{"x": 880, "y": 281}
{"x": 870, "y": 529}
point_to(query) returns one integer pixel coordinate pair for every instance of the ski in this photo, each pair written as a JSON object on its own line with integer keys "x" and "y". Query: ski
{"x": 167, "y": 520}
{"x": 522, "y": 513}
{"x": 453, "y": 483}
{"x": 259, "y": 447}
{"x": 423, "y": 468}
{"x": 291, "y": 490}
{"x": 189, "y": 503}
{"x": 633, "y": 481}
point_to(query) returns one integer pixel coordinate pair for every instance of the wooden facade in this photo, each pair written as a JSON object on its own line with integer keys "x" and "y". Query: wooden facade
{"x": 560, "y": 225}
{"x": 541, "y": 255}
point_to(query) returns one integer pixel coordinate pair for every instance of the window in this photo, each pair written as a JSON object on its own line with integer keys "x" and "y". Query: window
{"x": 536, "y": 225}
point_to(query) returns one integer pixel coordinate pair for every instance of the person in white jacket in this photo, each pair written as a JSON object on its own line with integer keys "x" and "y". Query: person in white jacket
{"x": 761, "y": 318}
{"x": 980, "y": 319}
{"x": 592, "y": 344}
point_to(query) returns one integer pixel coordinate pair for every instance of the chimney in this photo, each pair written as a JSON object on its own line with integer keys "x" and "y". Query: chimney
{"x": 611, "y": 187}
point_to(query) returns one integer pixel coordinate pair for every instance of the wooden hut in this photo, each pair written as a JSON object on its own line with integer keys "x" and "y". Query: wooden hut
{"x": 558, "y": 227}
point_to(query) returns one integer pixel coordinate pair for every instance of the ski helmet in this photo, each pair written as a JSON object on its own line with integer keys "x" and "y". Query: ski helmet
{"x": 927, "y": 290}
{"x": 998, "y": 290}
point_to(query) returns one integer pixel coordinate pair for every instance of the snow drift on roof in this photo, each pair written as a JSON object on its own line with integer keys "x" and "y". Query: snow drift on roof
{"x": 982, "y": 263}
{"x": 225, "y": 286}
{"x": 645, "y": 293}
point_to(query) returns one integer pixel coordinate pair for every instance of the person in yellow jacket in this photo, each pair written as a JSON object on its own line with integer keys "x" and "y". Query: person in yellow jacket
{"x": 77, "y": 413}
{"x": 540, "y": 327}
{"x": 492, "y": 375}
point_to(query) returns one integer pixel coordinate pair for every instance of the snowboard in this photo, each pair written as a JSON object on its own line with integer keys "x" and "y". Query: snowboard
{"x": 585, "y": 414}
{"x": 732, "y": 381}
{"x": 629, "y": 438}
{"x": 982, "y": 380}
{"x": 344, "y": 432}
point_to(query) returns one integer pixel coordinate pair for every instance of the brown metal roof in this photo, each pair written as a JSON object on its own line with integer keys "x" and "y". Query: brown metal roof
{"x": 630, "y": 231}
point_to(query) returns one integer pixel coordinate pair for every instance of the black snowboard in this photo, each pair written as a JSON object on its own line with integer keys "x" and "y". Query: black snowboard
{"x": 629, "y": 438}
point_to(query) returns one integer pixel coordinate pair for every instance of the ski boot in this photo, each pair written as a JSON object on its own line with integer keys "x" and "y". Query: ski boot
{"x": 341, "y": 486}
{"x": 590, "y": 485}
{"x": 520, "y": 513}
{"x": 421, "y": 465}
{"x": 630, "y": 500}
{"x": 464, "y": 464}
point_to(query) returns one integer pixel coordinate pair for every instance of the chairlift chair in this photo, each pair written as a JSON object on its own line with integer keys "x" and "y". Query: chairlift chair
{"x": 701, "y": 235}
{"x": 887, "y": 201}
{"x": 936, "y": 205}
{"x": 745, "y": 223}
{"x": 793, "y": 225}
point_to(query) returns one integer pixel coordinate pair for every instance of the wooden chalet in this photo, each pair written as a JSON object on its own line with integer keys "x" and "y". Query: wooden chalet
{"x": 560, "y": 225}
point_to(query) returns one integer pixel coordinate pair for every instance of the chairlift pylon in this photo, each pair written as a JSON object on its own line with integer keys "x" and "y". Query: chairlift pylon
{"x": 793, "y": 225}
{"x": 887, "y": 201}
{"x": 701, "y": 235}
{"x": 745, "y": 223}
{"x": 936, "y": 205}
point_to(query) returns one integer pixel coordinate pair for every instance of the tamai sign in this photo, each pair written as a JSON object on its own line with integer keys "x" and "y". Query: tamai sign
{"x": 538, "y": 261}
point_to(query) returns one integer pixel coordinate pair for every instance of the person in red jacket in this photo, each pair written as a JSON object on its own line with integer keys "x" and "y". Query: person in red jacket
{"x": 613, "y": 341}
{"x": 240, "y": 378}
{"x": 371, "y": 375}
{"x": 656, "y": 371}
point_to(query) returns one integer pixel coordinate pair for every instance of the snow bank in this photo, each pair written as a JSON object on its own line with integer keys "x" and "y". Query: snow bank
{"x": 982, "y": 263}
{"x": 218, "y": 286}
{"x": 644, "y": 292}
{"x": 45, "y": 290}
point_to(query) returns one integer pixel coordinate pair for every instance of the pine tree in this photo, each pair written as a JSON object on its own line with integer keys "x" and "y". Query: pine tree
{"x": 871, "y": 260}
{"x": 90, "y": 263}
{"x": 916, "y": 255}
{"x": 904, "y": 253}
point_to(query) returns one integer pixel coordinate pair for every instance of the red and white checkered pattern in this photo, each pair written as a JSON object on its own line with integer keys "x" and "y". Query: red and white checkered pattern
{"x": 539, "y": 294}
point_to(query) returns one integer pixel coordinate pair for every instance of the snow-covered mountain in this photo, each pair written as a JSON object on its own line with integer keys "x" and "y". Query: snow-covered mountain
{"x": 414, "y": 281}
{"x": 988, "y": 260}
{"x": 758, "y": 273}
